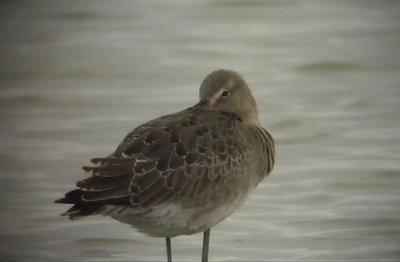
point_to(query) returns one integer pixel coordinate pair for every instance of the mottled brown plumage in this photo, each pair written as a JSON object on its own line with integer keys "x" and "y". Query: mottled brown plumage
{"x": 182, "y": 173}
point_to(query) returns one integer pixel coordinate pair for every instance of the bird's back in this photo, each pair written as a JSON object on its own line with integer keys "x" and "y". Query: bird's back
{"x": 192, "y": 164}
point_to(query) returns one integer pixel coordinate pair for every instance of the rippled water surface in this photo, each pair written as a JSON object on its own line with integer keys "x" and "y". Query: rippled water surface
{"x": 75, "y": 77}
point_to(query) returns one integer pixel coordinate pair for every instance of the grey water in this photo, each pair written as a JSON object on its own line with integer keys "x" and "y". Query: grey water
{"x": 76, "y": 76}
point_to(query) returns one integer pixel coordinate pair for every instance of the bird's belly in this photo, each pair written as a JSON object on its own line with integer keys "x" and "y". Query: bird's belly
{"x": 173, "y": 220}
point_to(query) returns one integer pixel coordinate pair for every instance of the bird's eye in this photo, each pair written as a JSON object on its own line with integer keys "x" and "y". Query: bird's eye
{"x": 225, "y": 94}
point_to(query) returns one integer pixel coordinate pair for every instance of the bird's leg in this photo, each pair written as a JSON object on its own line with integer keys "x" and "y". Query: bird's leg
{"x": 206, "y": 242}
{"x": 169, "y": 252}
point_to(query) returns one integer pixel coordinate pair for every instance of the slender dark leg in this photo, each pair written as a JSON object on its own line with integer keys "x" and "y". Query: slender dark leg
{"x": 169, "y": 253}
{"x": 206, "y": 242}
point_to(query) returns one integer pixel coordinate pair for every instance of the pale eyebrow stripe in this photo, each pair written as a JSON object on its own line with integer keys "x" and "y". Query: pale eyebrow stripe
{"x": 217, "y": 95}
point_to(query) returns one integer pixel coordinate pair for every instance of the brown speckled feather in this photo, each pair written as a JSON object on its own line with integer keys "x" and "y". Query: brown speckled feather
{"x": 182, "y": 156}
{"x": 182, "y": 173}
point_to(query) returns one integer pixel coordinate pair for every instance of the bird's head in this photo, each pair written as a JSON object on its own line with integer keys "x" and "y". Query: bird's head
{"x": 226, "y": 91}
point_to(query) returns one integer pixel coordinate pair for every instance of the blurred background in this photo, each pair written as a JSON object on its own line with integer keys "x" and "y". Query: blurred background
{"x": 76, "y": 76}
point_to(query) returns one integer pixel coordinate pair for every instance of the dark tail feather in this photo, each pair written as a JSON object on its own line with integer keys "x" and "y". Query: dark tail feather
{"x": 72, "y": 197}
{"x": 76, "y": 212}
{"x": 80, "y": 208}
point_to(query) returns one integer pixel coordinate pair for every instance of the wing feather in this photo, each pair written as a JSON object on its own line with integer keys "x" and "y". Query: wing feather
{"x": 186, "y": 155}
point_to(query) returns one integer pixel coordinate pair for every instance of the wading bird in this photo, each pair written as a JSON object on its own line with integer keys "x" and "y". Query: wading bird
{"x": 182, "y": 173}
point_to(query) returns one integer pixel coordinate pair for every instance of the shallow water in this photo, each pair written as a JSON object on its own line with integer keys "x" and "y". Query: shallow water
{"x": 75, "y": 78}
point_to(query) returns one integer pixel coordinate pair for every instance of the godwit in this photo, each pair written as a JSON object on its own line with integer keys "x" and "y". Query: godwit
{"x": 185, "y": 172}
